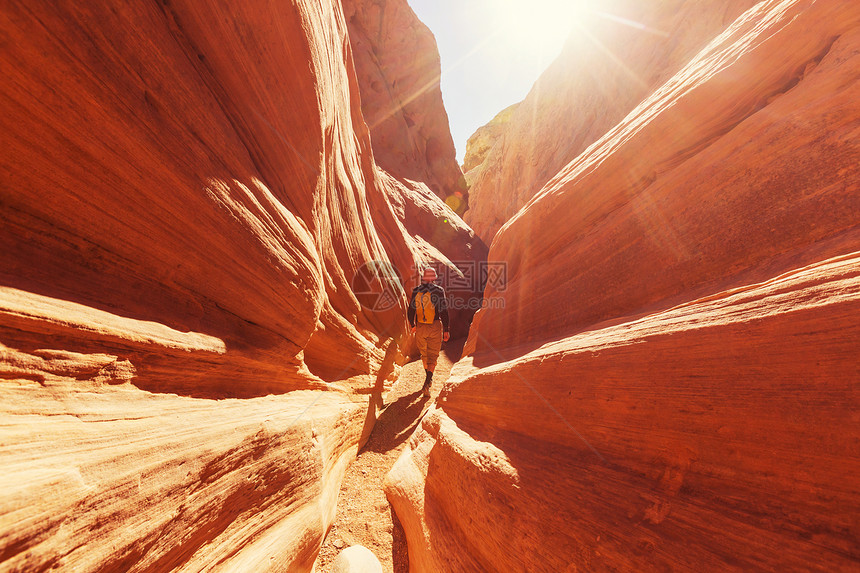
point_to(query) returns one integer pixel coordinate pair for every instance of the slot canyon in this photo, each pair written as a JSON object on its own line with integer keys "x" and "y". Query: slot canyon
{"x": 213, "y": 214}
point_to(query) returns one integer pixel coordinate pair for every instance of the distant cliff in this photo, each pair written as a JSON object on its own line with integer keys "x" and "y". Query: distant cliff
{"x": 398, "y": 72}
{"x": 482, "y": 141}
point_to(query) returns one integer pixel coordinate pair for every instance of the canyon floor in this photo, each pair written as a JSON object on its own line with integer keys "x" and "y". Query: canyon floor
{"x": 364, "y": 516}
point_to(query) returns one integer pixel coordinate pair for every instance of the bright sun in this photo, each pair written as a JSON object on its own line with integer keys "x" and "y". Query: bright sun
{"x": 537, "y": 27}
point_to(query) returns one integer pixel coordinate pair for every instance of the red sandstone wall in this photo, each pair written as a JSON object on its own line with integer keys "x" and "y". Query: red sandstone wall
{"x": 187, "y": 191}
{"x": 671, "y": 383}
{"x": 398, "y": 72}
{"x": 608, "y": 66}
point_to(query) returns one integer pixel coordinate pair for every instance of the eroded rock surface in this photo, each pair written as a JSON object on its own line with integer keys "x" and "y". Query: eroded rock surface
{"x": 715, "y": 436}
{"x": 672, "y": 203}
{"x": 398, "y": 72}
{"x": 670, "y": 380}
{"x": 620, "y": 52}
{"x": 188, "y": 194}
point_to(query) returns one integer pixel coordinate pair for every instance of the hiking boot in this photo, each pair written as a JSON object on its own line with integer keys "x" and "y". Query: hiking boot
{"x": 428, "y": 381}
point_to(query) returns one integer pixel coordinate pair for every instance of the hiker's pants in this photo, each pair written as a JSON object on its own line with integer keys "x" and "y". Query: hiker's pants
{"x": 429, "y": 339}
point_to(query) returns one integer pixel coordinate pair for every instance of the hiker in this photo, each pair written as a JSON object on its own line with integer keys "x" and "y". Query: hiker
{"x": 428, "y": 317}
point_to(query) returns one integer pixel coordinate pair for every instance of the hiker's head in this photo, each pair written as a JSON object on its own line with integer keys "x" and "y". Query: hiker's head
{"x": 429, "y": 275}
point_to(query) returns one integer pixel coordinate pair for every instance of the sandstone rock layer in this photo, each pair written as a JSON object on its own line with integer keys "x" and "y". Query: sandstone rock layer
{"x": 716, "y": 436}
{"x": 668, "y": 379}
{"x": 619, "y": 53}
{"x": 398, "y": 72}
{"x": 187, "y": 360}
{"x": 741, "y": 167}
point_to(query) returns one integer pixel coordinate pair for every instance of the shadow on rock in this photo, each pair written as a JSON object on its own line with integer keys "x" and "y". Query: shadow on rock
{"x": 397, "y": 422}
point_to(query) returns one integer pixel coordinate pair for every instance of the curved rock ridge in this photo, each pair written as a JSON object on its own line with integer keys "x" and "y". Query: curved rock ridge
{"x": 398, "y": 72}
{"x": 716, "y": 436}
{"x": 117, "y": 479}
{"x": 198, "y": 297}
{"x": 667, "y": 381}
{"x": 742, "y": 166}
{"x": 619, "y": 53}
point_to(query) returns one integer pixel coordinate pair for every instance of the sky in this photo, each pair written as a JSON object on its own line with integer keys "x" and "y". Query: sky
{"x": 492, "y": 52}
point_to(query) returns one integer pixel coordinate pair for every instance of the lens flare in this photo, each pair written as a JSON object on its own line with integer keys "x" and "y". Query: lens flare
{"x": 538, "y": 27}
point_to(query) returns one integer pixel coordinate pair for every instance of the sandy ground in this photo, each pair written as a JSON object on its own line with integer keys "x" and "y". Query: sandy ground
{"x": 364, "y": 516}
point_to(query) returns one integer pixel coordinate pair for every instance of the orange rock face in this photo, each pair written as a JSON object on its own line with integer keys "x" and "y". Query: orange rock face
{"x": 668, "y": 380}
{"x": 398, "y": 71}
{"x": 657, "y": 219}
{"x": 717, "y": 436}
{"x": 188, "y": 194}
{"x": 608, "y": 66}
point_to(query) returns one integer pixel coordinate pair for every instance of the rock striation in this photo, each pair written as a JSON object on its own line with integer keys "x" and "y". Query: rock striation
{"x": 398, "y": 72}
{"x": 715, "y": 436}
{"x": 651, "y": 221}
{"x": 668, "y": 378}
{"x": 619, "y": 53}
{"x": 199, "y": 288}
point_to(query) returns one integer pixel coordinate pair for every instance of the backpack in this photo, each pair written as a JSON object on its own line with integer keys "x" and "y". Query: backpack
{"x": 424, "y": 309}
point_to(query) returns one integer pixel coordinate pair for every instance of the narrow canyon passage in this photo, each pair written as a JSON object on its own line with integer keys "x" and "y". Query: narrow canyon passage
{"x": 364, "y": 516}
{"x": 214, "y": 213}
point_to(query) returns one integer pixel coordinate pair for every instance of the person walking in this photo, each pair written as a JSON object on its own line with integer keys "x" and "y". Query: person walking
{"x": 428, "y": 317}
